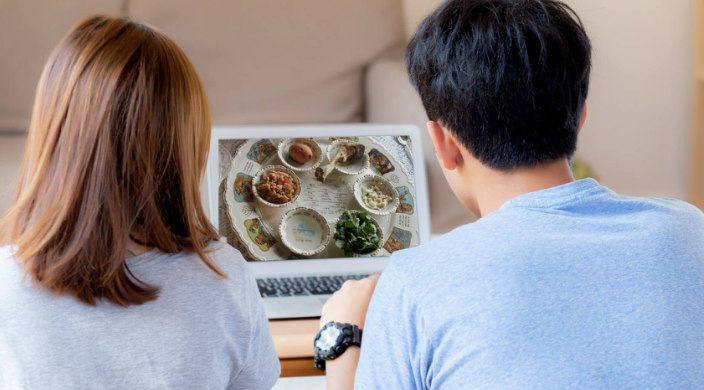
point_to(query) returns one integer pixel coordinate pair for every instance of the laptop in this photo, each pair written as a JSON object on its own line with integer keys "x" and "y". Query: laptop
{"x": 311, "y": 206}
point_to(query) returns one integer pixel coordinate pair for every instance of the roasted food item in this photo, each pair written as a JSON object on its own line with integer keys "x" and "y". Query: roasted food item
{"x": 300, "y": 152}
{"x": 277, "y": 187}
{"x": 347, "y": 153}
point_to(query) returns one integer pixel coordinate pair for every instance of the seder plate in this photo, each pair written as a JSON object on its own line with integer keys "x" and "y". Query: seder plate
{"x": 256, "y": 225}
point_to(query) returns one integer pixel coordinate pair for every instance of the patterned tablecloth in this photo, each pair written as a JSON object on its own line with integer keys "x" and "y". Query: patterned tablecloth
{"x": 253, "y": 228}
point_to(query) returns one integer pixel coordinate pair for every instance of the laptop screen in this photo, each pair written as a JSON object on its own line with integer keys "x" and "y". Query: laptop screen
{"x": 317, "y": 198}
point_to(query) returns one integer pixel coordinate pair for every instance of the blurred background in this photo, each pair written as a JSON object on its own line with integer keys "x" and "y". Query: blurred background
{"x": 328, "y": 61}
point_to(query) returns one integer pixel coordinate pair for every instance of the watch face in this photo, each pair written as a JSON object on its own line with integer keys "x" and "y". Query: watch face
{"x": 328, "y": 338}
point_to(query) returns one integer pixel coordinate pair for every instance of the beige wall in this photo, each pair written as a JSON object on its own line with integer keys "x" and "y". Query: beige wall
{"x": 414, "y": 11}
{"x": 636, "y": 133}
{"x": 637, "y": 128}
{"x": 11, "y": 151}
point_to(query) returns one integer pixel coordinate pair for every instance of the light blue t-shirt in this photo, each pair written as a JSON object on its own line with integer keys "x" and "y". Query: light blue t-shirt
{"x": 569, "y": 287}
{"x": 202, "y": 332}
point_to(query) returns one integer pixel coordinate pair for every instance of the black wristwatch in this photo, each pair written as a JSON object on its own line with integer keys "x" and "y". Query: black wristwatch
{"x": 333, "y": 339}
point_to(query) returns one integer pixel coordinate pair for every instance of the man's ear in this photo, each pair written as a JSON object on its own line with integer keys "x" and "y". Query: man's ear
{"x": 583, "y": 118}
{"x": 445, "y": 145}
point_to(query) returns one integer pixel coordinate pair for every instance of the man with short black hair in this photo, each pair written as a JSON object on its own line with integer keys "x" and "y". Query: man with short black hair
{"x": 560, "y": 283}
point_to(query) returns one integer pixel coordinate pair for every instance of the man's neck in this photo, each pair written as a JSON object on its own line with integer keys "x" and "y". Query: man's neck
{"x": 493, "y": 188}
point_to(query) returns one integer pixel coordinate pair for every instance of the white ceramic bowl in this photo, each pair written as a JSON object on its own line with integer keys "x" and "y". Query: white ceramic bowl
{"x": 384, "y": 185}
{"x": 379, "y": 232}
{"x": 270, "y": 168}
{"x": 291, "y": 163}
{"x": 354, "y": 168}
{"x": 304, "y": 231}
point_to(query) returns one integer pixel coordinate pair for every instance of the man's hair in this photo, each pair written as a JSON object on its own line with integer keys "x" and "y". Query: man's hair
{"x": 116, "y": 148}
{"x": 508, "y": 77}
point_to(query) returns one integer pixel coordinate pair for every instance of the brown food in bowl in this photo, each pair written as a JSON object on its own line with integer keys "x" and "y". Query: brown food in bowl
{"x": 277, "y": 187}
{"x": 300, "y": 152}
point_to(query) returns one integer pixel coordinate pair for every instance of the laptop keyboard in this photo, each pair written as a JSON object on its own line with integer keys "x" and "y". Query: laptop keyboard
{"x": 297, "y": 286}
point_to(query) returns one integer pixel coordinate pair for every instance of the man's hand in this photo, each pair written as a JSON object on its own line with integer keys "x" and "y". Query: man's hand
{"x": 349, "y": 304}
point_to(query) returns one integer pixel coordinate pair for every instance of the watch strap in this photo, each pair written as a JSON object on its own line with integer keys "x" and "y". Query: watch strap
{"x": 349, "y": 335}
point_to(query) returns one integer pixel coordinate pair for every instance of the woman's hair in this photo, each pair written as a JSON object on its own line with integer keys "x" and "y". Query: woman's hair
{"x": 116, "y": 148}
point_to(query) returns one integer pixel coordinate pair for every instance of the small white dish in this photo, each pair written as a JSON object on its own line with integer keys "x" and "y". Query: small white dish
{"x": 289, "y": 162}
{"x": 352, "y": 168}
{"x": 257, "y": 179}
{"x": 304, "y": 231}
{"x": 368, "y": 181}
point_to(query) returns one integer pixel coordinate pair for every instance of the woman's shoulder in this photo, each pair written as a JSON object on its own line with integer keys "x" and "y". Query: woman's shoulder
{"x": 237, "y": 292}
{"x": 11, "y": 274}
{"x": 8, "y": 263}
{"x": 160, "y": 268}
{"x": 6, "y": 251}
{"x": 185, "y": 274}
{"x": 227, "y": 258}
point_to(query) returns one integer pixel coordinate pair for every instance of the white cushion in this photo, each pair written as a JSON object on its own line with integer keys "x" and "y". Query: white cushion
{"x": 273, "y": 61}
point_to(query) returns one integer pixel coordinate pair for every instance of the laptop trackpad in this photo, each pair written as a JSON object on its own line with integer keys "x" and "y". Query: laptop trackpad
{"x": 294, "y": 307}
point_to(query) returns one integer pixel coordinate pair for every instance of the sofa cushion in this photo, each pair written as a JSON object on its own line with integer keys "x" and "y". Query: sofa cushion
{"x": 272, "y": 61}
{"x": 29, "y": 30}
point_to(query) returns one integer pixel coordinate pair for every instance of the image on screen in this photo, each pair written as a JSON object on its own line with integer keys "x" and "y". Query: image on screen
{"x": 307, "y": 198}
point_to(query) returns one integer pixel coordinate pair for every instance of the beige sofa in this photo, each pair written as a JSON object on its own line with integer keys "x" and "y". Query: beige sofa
{"x": 262, "y": 62}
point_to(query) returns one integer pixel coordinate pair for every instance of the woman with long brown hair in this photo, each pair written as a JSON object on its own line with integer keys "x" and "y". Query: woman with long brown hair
{"x": 111, "y": 275}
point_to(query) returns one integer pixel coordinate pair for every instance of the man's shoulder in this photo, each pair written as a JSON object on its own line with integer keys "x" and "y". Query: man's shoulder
{"x": 439, "y": 253}
{"x": 461, "y": 238}
{"x": 669, "y": 213}
{"x": 678, "y": 208}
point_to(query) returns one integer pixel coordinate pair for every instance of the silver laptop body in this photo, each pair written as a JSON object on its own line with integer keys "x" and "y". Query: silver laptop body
{"x": 295, "y": 285}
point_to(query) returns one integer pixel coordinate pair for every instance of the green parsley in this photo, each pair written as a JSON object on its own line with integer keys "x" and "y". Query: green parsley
{"x": 355, "y": 232}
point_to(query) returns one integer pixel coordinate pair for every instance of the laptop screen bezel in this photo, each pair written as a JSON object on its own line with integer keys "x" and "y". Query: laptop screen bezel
{"x": 321, "y": 266}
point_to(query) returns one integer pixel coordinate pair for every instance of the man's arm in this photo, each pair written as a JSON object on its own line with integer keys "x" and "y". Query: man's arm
{"x": 340, "y": 372}
{"x": 349, "y": 305}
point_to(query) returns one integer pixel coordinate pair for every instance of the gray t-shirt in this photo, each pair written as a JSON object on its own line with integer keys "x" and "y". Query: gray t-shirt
{"x": 202, "y": 332}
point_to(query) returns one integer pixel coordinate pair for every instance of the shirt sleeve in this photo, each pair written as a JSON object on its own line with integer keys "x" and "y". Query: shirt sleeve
{"x": 389, "y": 343}
{"x": 261, "y": 365}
